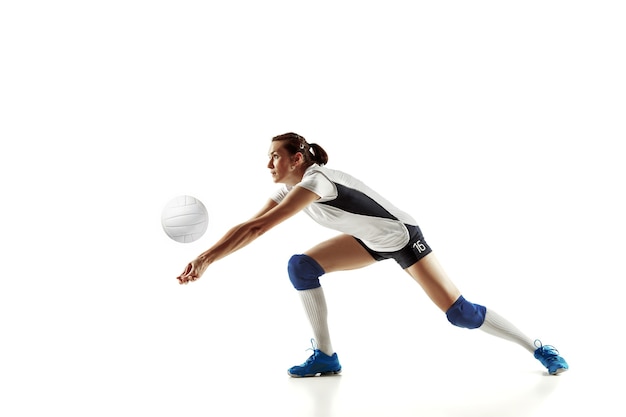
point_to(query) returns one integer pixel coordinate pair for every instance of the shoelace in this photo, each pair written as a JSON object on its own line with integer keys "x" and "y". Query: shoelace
{"x": 549, "y": 352}
{"x": 314, "y": 355}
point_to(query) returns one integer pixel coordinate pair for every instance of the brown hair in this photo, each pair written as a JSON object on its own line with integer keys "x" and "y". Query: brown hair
{"x": 311, "y": 152}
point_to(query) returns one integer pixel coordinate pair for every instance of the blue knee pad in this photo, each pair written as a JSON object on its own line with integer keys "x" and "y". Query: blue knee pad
{"x": 466, "y": 314}
{"x": 304, "y": 272}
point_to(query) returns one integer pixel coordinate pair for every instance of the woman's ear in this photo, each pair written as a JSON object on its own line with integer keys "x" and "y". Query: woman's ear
{"x": 298, "y": 158}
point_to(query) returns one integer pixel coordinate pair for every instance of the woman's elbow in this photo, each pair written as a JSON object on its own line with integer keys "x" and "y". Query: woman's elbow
{"x": 258, "y": 230}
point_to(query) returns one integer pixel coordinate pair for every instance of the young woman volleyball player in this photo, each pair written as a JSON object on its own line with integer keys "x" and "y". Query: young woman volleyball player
{"x": 372, "y": 229}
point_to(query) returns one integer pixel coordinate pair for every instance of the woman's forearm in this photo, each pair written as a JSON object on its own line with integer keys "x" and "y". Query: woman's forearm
{"x": 235, "y": 239}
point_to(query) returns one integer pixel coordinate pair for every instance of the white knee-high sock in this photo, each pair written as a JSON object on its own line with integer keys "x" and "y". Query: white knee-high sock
{"x": 314, "y": 304}
{"x": 497, "y": 325}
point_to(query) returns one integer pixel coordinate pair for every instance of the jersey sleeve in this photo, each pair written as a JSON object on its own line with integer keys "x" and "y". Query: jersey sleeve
{"x": 319, "y": 184}
{"x": 279, "y": 194}
{"x": 315, "y": 182}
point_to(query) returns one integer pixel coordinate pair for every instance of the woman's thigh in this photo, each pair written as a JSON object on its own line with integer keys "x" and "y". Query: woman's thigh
{"x": 435, "y": 282}
{"x": 340, "y": 253}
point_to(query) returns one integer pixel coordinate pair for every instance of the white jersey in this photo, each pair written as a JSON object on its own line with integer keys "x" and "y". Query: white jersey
{"x": 349, "y": 206}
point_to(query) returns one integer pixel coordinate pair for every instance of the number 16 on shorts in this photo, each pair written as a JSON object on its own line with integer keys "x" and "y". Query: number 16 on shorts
{"x": 419, "y": 246}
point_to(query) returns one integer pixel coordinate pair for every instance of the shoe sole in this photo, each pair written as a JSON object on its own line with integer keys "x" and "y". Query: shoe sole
{"x": 330, "y": 373}
{"x": 558, "y": 371}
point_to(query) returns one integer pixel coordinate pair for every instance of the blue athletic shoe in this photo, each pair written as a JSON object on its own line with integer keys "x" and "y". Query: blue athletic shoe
{"x": 318, "y": 363}
{"x": 549, "y": 357}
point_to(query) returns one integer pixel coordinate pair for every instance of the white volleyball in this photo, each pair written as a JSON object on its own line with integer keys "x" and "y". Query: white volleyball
{"x": 185, "y": 219}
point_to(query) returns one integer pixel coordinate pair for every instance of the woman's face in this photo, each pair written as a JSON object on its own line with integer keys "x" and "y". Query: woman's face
{"x": 282, "y": 165}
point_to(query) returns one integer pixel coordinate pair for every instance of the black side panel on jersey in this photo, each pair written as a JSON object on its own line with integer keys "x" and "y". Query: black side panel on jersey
{"x": 356, "y": 202}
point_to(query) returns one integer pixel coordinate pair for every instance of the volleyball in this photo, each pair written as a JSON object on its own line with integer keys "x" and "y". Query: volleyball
{"x": 185, "y": 219}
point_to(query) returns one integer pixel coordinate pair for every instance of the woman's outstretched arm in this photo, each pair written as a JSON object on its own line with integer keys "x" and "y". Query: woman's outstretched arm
{"x": 246, "y": 232}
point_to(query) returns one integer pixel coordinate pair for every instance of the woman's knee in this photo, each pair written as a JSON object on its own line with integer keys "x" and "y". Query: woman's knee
{"x": 465, "y": 314}
{"x": 304, "y": 272}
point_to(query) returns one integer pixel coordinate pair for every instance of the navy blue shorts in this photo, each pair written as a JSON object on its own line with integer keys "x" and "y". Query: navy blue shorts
{"x": 415, "y": 250}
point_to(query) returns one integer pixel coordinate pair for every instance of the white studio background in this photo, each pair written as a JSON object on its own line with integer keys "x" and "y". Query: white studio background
{"x": 497, "y": 125}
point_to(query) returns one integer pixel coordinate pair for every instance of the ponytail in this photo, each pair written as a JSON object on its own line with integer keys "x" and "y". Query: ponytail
{"x": 318, "y": 154}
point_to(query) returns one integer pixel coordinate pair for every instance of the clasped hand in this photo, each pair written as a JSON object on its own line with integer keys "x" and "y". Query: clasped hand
{"x": 193, "y": 271}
